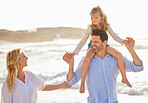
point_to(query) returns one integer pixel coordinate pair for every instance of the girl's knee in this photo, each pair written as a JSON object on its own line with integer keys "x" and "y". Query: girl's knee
{"x": 89, "y": 56}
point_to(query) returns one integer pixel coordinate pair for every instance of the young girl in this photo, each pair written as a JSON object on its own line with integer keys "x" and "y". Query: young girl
{"x": 99, "y": 21}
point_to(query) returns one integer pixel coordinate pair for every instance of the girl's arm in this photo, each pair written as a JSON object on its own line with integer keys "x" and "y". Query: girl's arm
{"x": 115, "y": 36}
{"x": 83, "y": 40}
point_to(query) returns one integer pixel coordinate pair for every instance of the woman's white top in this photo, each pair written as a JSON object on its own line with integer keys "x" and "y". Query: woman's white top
{"x": 87, "y": 34}
{"x": 23, "y": 92}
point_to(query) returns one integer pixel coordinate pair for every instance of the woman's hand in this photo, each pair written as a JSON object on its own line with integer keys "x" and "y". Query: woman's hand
{"x": 65, "y": 85}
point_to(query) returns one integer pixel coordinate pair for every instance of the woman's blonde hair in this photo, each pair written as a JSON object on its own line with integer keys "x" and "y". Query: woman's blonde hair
{"x": 104, "y": 23}
{"x": 12, "y": 67}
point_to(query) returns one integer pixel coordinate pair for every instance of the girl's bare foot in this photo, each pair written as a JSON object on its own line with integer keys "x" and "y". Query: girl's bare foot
{"x": 125, "y": 81}
{"x": 82, "y": 88}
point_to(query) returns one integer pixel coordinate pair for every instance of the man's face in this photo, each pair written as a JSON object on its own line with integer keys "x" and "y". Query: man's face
{"x": 97, "y": 44}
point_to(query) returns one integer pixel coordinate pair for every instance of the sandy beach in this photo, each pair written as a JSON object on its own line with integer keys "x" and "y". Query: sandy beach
{"x": 73, "y": 96}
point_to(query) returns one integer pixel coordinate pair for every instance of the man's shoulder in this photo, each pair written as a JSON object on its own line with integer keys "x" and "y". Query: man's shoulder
{"x": 114, "y": 58}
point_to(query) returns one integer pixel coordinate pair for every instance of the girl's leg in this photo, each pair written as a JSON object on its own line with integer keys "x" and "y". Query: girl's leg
{"x": 89, "y": 55}
{"x": 120, "y": 63}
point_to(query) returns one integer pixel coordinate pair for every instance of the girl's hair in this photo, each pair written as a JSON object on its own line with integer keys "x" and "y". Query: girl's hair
{"x": 12, "y": 67}
{"x": 104, "y": 23}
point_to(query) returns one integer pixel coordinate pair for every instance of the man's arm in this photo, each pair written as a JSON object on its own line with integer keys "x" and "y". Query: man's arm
{"x": 129, "y": 43}
{"x": 73, "y": 77}
{"x": 69, "y": 58}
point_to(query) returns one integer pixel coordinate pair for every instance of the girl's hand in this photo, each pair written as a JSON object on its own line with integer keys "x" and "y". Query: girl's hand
{"x": 73, "y": 54}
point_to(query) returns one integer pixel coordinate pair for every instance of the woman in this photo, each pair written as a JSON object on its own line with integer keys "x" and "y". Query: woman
{"x": 21, "y": 86}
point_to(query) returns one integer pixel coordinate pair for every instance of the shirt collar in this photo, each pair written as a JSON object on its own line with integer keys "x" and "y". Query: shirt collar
{"x": 101, "y": 58}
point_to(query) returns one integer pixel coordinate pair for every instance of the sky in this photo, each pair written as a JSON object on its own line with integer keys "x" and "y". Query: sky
{"x": 124, "y": 16}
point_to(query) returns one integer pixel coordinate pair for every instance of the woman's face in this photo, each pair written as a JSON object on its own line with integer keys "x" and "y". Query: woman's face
{"x": 22, "y": 60}
{"x": 96, "y": 18}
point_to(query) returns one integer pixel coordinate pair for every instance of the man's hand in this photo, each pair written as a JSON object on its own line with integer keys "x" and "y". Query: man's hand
{"x": 65, "y": 85}
{"x": 69, "y": 58}
{"x": 129, "y": 43}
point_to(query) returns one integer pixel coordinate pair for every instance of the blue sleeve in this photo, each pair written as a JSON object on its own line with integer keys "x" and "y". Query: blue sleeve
{"x": 77, "y": 74}
{"x": 131, "y": 67}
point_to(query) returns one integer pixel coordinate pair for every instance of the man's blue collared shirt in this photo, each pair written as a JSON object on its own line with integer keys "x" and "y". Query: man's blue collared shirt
{"x": 101, "y": 78}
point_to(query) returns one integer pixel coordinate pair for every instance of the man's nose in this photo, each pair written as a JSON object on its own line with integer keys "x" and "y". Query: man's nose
{"x": 92, "y": 43}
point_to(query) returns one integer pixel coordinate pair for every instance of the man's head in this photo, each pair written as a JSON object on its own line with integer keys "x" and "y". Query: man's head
{"x": 99, "y": 40}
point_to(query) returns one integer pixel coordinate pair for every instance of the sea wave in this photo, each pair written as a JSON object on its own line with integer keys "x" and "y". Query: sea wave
{"x": 141, "y": 47}
{"x": 52, "y": 76}
{"x": 139, "y": 88}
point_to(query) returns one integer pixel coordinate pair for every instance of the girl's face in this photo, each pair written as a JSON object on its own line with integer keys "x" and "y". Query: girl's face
{"x": 96, "y": 18}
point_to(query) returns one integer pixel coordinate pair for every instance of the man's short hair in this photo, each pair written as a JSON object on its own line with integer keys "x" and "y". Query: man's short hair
{"x": 101, "y": 33}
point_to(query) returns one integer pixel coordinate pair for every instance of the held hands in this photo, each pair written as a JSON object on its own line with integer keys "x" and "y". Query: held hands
{"x": 65, "y": 85}
{"x": 69, "y": 58}
{"x": 129, "y": 43}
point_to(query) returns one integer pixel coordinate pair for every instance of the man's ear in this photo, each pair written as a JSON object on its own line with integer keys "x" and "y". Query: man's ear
{"x": 105, "y": 42}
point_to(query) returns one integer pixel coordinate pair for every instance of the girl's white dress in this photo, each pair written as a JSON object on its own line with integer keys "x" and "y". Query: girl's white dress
{"x": 23, "y": 92}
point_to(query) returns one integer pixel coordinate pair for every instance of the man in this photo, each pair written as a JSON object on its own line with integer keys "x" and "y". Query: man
{"x": 103, "y": 70}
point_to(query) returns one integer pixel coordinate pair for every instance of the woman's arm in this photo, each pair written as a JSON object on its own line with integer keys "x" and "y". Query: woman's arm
{"x": 55, "y": 87}
{"x": 115, "y": 36}
{"x": 83, "y": 41}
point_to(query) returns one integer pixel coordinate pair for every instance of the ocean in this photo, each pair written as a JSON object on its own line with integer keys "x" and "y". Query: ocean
{"x": 45, "y": 60}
